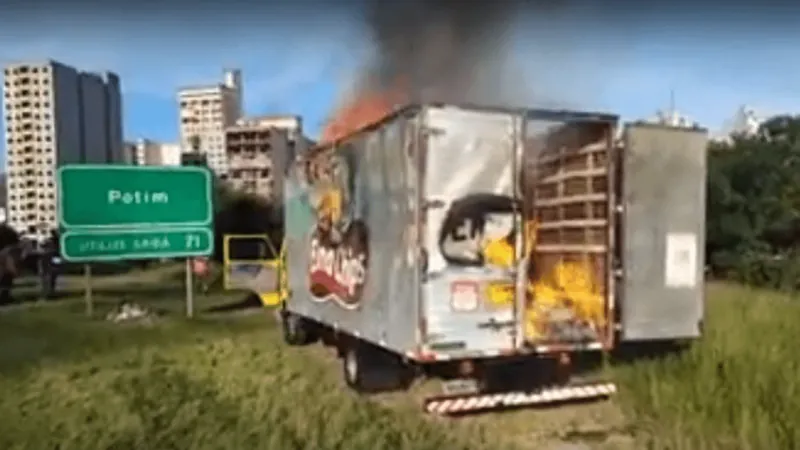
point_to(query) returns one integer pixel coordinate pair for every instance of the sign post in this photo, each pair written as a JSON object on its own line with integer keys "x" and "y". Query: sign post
{"x": 87, "y": 289}
{"x": 189, "y": 289}
{"x": 117, "y": 213}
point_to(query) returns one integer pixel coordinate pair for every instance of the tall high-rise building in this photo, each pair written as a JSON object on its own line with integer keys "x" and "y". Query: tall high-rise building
{"x": 54, "y": 115}
{"x": 205, "y": 112}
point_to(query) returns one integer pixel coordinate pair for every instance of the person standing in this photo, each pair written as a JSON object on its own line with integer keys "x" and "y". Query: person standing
{"x": 8, "y": 271}
{"x": 11, "y": 261}
{"x": 202, "y": 270}
{"x": 50, "y": 260}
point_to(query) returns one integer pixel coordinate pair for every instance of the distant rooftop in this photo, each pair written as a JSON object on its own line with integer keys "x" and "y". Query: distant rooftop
{"x": 35, "y": 63}
{"x": 745, "y": 120}
{"x": 198, "y": 88}
{"x": 231, "y": 81}
{"x": 672, "y": 118}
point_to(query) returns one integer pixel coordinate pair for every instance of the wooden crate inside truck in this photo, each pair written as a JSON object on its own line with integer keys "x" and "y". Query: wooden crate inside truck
{"x": 466, "y": 242}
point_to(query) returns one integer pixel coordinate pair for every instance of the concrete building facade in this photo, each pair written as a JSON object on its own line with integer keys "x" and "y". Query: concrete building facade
{"x": 146, "y": 152}
{"x": 204, "y": 114}
{"x": 258, "y": 150}
{"x": 129, "y": 152}
{"x": 54, "y": 115}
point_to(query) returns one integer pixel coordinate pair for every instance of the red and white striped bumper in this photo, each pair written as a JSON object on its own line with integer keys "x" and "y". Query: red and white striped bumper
{"x": 460, "y": 404}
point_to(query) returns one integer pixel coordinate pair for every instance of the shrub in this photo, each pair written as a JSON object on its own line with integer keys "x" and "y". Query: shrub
{"x": 753, "y": 217}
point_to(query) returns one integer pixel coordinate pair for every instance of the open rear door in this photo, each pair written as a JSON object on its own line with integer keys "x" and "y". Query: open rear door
{"x": 568, "y": 197}
{"x": 663, "y": 235}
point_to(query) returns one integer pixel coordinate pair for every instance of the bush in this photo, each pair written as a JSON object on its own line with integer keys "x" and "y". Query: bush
{"x": 8, "y": 236}
{"x": 753, "y": 217}
{"x": 246, "y": 214}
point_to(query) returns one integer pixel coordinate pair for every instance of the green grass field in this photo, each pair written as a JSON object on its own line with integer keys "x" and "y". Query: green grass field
{"x": 226, "y": 381}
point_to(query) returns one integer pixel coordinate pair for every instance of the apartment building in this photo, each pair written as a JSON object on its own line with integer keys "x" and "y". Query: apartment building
{"x": 54, "y": 114}
{"x": 147, "y": 152}
{"x": 205, "y": 112}
{"x": 294, "y": 127}
{"x": 170, "y": 154}
{"x": 129, "y": 152}
{"x": 258, "y": 151}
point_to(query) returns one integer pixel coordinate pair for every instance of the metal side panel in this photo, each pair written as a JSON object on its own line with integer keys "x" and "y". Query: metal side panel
{"x": 347, "y": 218}
{"x": 469, "y": 190}
{"x": 664, "y": 203}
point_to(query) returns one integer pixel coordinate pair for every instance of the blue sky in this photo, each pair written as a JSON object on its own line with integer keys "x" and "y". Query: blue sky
{"x": 302, "y": 65}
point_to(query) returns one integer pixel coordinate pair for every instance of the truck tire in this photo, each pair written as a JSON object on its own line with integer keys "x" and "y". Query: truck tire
{"x": 369, "y": 370}
{"x": 296, "y": 330}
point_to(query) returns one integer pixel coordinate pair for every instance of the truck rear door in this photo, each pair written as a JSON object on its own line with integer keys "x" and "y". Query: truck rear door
{"x": 663, "y": 232}
{"x": 471, "y": 223}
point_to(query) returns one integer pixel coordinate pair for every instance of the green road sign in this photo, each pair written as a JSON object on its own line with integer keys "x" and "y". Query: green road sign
{"x": 106, "y": 197}
{"x": 108, "y": 245}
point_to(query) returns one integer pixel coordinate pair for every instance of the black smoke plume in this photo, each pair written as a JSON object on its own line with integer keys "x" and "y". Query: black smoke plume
{"x": 441, "y": 50}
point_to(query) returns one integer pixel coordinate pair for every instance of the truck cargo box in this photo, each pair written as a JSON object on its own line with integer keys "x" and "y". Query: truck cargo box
{"x": 450, "y": 232}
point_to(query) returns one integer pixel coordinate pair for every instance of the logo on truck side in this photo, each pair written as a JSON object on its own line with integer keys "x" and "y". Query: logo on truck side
{"x": 338, "y": 247}
{"x": 338, "y": 271}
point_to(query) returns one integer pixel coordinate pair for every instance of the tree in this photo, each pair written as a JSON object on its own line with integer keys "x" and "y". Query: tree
{"x": 239, "y": 213}
{"x": 8, "y": 236}
{"x": 753, "y": 217}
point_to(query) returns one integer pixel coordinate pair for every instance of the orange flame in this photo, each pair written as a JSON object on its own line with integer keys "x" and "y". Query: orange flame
{"x": 368, "y": 107}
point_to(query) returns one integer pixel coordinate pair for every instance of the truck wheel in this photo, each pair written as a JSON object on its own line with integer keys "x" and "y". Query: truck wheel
{"x": 367, "y": 370}
{"x": 295, "y": 329}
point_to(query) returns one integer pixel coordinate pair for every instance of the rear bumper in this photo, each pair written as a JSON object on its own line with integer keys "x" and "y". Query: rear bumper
{"x": 464, "y": 404}
{"x": 431, "y": 355}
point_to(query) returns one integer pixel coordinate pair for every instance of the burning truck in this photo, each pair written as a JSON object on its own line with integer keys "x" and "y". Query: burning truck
{"x": 470, "y": 242}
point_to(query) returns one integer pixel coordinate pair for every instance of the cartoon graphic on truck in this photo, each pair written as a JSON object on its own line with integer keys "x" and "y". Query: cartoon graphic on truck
{"x": 338, "y": 252}
{"x": 479, "y": 230}
{"x": 463, "y": 241}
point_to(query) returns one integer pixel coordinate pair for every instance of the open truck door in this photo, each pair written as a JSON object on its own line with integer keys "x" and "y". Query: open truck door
{"x": 568, "y": 192}
{"x": 252, "y": 262}
{"x": 662, "y": 237}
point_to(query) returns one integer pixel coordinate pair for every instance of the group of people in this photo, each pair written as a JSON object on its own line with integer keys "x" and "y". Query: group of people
{"x": 15, "y": 257}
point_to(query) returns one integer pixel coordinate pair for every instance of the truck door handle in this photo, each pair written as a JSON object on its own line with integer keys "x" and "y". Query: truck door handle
{"x": 494, "y": 324}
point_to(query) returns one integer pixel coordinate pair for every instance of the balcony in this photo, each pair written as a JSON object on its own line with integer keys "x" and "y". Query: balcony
{"x": 260, "y": 162}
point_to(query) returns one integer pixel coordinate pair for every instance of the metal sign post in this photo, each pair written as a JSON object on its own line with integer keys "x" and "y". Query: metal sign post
{"x": 87, "y": 287}
{"x": 189, "y": 289}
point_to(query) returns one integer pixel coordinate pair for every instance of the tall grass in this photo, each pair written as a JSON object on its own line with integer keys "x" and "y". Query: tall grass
{"x": 229, "y": 383}
{"x": 738, "y": 388}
